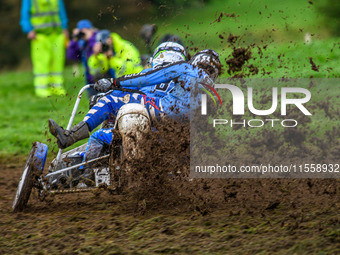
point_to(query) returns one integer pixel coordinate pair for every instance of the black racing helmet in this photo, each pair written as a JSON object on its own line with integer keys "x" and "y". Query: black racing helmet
{"x": 209, "y": 61}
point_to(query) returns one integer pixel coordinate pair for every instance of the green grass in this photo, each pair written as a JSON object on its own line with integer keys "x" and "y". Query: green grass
{"x": 260, "y": 21}
{"x": 295, "y": 59}
{"x": 277, "y": 27}
{"x": 24, "y": 116}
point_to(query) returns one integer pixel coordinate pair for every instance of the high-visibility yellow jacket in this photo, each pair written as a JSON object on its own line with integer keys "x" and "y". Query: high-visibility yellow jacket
{"x": 43, "y": 16}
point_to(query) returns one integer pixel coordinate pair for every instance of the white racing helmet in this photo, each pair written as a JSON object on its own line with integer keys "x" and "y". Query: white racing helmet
{"x": 209, "y": 61}
{"x": 132, "y": 118}
{"x": 167, "y": 53}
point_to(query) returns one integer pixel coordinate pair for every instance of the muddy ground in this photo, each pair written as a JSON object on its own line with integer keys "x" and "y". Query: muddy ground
{"x": 242, "y": 217}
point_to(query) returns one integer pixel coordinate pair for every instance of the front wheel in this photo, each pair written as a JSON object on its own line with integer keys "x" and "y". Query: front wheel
{"x": 33, "y": 168}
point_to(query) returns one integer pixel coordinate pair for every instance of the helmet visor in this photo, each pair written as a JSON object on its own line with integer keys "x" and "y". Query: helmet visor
{"x": 166, "y": 58}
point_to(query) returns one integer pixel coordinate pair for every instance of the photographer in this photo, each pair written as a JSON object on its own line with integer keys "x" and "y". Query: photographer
{"x": 80, "y": 47}
{"x": 113, "y": 56}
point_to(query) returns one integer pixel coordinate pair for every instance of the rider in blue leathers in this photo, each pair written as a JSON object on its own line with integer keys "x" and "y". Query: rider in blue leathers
{"x": 175, "y": 104}
{"x": 165, "y": 54}
{"x": 178, "y": 97}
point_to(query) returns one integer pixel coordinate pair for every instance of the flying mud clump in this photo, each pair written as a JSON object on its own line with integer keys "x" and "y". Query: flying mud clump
{"x": 239, "y": 57}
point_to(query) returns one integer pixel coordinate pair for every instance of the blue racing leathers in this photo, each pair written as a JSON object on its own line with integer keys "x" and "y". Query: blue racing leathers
{"x": 159, "y": 90}
{"x": 96, "y": 143}
{"x": 174, "y": 104}
{"x": 164, "y": 91}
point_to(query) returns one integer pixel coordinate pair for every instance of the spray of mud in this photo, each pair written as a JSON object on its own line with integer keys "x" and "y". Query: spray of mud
{"x": 159, "y": 181}
{"x": 156, "y": 178}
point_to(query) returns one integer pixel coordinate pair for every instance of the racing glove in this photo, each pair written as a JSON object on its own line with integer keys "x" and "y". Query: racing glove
{"x": 103, "y": 85}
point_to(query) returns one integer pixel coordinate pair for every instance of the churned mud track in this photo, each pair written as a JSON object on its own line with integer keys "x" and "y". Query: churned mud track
{"x": 230, "y": 217}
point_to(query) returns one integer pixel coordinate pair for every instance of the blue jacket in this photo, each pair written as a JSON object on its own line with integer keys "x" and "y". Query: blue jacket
{"x": 25, "y": 18}
{"x": 182, "y": 71}
{"x": 159, "y": 90}
{"x": 176, "y": 103}
{"x": 182, "y": 74}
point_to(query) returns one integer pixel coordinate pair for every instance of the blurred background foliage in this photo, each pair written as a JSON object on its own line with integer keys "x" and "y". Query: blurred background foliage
{"x": 127, "y": 17}
{"x": 331, "y": 11}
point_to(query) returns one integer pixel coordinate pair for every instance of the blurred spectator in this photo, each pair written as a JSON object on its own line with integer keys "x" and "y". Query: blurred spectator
{"x": 45, "y": 23}
{"x": 113, "y": 56}
{"x": 81, "y": 45}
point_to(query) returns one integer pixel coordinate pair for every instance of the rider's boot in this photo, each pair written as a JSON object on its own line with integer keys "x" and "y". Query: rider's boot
{"x": 66, "y": 138}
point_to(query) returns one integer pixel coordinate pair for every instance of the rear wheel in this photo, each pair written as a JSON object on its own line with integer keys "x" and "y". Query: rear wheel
{"x": 32, "y": 170}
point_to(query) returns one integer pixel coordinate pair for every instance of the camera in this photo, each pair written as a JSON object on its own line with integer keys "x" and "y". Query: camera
{"x": 80, "y": 35}
{"x": 105, "y": 47}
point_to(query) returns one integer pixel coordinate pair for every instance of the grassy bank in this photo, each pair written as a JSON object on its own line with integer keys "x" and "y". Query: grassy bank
{"x": 24, "y": 117}
{"x": 274, "y": 33}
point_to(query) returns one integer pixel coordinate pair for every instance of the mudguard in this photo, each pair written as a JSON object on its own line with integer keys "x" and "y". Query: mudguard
{"x": 40, "y": 156}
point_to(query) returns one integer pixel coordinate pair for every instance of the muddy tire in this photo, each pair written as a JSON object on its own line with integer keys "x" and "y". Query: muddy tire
{"x": 33, "y": 168}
